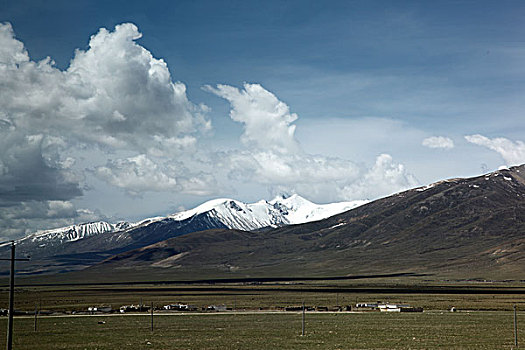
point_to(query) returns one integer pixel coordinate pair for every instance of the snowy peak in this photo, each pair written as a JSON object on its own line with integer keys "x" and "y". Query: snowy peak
{"x": 291, "y": 201}
{"x": 76, "y": 232}
{"x": 280, "y": 211}
{"x": 235, "y": 214}
{"x": 300, "y": 210}
{"x": 213, "y": 204}
{"x": 216, "y": 213}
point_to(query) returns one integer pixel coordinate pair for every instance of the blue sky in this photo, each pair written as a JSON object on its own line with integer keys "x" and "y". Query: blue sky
{"x": 335, "y": 100}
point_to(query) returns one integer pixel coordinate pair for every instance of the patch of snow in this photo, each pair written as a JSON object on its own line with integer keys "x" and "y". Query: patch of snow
{"x": 338, "y": 225}
{"x": 424, "y": 188}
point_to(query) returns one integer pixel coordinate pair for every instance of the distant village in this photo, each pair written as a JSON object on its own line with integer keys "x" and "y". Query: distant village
{"x": 182, "y": 307}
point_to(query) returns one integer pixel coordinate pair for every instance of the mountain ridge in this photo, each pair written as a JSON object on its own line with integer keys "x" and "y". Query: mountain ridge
{"x": 316, "y": 212}
{"x": 78, "y": 246}
{"x": 464, "y": 228}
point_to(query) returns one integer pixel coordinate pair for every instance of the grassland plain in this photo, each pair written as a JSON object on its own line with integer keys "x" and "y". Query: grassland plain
{"x": 270, "y": 296}
{"x": 484, "y": 319}
{"x": 429, "y": 330}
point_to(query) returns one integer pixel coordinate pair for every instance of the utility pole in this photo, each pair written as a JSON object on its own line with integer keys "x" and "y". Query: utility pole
{"x": 152, "y": 316}
{"x": 36, "y": 313}
{"x": 302, "y": 332}
{"x": 11, "y": 297}
{"x": 515, "y": 328}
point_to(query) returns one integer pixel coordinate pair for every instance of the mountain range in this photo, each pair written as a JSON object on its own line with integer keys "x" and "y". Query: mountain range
{"x": 465, "y": 228}
{"x": 77, "y": 246}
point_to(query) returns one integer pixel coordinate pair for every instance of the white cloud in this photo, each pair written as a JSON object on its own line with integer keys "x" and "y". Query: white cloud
{"x": 512, "y": 152}
{"x": 12, "y": 52}
{"x": 438, "y": 142}
{"x": 267, "y": 121}
{"x": 199, "y": 184}
{"x": 141, "y": 173}
{"x": 136, "y": 175}
{"x": 274, "y": 157}
{"x": 384, "y": 178}
{"x": 131, "y": 95}
{"x": 274, "y": 168}
{"x": 114, "y": 94}
{"x": 114, "y": 98}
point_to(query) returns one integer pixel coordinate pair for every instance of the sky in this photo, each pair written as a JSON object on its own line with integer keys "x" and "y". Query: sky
{"x": 122, "y": 110}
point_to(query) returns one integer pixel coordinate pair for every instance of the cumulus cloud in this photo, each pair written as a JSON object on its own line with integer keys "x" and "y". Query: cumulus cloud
{"x": 140, "y": 174}
{"x": 114, "y": 94}
{"x": 114, "y": 97}
{"x": 273, "y": 168}
{"x": 136, "y": 175}
{"x": 512, "y": 152}
{"x": 274, "y": 157}
{"x": 267, "y": 121}
{"x": 384, "y": 178}
{"x": 118, "y": 106}
{"x": 438, "y": 142}
{"x": 130, "y": 93}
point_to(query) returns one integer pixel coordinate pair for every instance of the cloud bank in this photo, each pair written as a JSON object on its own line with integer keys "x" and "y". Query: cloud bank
{"x": 117, "y": 115}
{"x": 114, "y": 97}
{"x": 275, "y": 158}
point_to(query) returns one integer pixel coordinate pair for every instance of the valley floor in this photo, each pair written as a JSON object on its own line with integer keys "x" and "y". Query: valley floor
{"x": 255, "y": 316}
{"x": 262, "y": 330}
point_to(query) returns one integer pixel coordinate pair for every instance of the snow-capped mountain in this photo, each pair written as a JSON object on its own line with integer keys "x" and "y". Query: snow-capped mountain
{"x": 231, "y": 213}
{"x": 280, "y": 211}
{"x": 102, "y": 238}
{"x": 75, "y": 232}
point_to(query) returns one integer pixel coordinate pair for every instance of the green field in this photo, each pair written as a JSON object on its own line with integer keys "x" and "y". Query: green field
{"x": 429, "y": 330}
{"x": 256, "y": 321}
